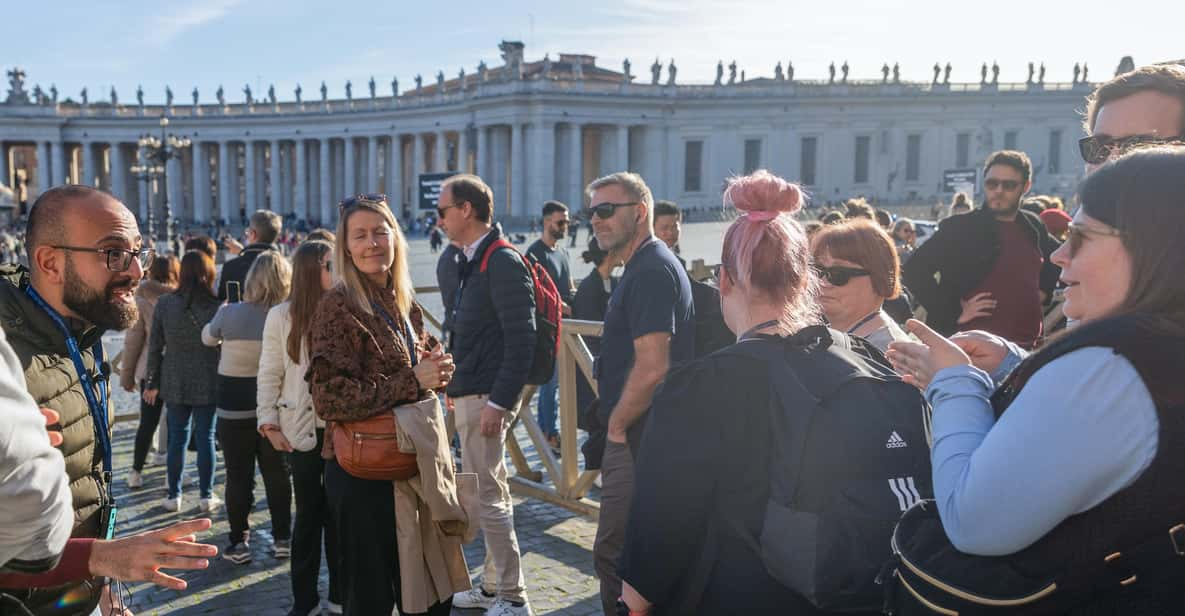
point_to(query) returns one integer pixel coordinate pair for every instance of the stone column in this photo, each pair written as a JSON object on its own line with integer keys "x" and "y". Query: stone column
{"x": 417, "y": 167}
{"x": 541, "y": 181}
{"x": 300, "y": 205}
{"x": 224, "y": 185}
{"x": 119, "y": 170}
{"x": 575, "y": 166}
{"x": 201, "y": 183}
{"x": 145, "y": 190}
{"x": 517, "y": 168}
{"x": 395, "y": 173}
{"x": 90, "y": 169}
{"x": 440, "y": 164}
{"x": 623, "y": 148}
{"x": 251, "y": 172}
{"x": 351, "y": 175}
{"x": 326, "y": 210}
{"x": 4, "y": 174}
{"x": 275, "y": 192}
{"x": 44, "y": 165}
{"x": 61, "y": 172}
{"x": 173, "y": 190}
{"x": 480, "y": 159}
{"x": 463, "y": 150}
{"x": 372, "y": 164}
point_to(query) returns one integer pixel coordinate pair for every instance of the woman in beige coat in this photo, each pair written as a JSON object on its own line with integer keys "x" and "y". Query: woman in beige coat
{"x": 161, "y": 279}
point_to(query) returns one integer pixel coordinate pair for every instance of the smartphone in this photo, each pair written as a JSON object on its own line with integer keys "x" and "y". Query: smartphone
{"x": 234, "y": 293}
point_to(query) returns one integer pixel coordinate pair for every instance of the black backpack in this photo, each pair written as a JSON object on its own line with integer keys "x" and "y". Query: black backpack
{"x": 851, "y": 453}
{"x": 711, "y": 333}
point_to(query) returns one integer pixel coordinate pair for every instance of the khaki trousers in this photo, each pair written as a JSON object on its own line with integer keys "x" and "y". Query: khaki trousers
{"x": 486, "y": 456}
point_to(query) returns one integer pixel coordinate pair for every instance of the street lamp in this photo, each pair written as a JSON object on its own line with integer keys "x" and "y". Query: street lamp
{"x": 155, "y": 155}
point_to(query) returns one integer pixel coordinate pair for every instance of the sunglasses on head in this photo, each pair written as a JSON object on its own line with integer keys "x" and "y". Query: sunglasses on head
{"x": 607, "y": 210}
{"x": 837, "y": 275}
{"x": 994, "y": 184}
{"x": 376, "y": 198}
{"x": 1099, "y": 149}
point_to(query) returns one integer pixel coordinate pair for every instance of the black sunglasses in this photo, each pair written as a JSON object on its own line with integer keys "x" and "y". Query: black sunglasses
{"x": 117, "y": 259}
{"x": 1008, "y": 185}
{"x": 1099, "y": 149}
{"x": 376, "y": 198}
{"x": 839, "y": 276}
{"x": 606, "y": 210}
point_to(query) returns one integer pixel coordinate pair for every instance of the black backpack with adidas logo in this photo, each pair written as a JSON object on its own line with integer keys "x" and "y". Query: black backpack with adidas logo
{"x": 851, "y": 454}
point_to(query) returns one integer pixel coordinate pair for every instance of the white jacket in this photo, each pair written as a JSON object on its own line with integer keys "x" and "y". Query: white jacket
{"x": 282, "y": 396}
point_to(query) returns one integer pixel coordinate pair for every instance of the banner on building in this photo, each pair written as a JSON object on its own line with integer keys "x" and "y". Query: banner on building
{"x": 430, "y": 188}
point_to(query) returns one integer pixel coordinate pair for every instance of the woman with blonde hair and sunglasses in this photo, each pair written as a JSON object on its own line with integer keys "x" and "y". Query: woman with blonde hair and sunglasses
{"x": 369, "y": 353}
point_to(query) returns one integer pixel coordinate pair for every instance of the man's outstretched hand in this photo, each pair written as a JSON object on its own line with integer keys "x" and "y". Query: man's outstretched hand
{"x": 139, "y": 558}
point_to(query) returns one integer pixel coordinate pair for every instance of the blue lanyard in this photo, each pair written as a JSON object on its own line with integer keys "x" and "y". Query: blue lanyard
{"x": 409, "y": 335}
{"x": 98, "y": 407}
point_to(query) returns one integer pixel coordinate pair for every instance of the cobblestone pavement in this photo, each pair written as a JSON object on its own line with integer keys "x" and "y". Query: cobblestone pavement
{"x": 556, "y": 546}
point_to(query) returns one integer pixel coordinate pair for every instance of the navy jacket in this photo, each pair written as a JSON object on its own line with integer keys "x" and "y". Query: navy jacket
{"x": 492, "y": 327}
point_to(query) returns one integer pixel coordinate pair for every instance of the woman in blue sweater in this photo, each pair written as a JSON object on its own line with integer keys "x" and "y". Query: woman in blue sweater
{"x": 1067, "y": 461}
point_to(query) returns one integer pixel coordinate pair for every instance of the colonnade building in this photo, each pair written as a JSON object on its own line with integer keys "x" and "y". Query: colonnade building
{"x": 541, "y": 130}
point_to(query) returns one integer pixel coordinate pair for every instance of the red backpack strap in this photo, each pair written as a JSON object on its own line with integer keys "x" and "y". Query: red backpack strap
{"x": 495, "y": 245}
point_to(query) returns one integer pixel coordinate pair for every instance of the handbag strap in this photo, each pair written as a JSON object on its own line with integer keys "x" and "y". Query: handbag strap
{"x": 409, "y": 335}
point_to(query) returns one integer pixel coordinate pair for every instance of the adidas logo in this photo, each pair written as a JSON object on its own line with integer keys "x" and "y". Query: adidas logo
{"x": 895, "y": 441}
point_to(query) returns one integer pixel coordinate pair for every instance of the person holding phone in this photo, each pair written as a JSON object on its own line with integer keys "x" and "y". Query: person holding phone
{"x": 261, "y": 235}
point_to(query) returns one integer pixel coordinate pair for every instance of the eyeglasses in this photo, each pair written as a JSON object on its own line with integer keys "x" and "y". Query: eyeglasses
{"x": 606, "y": 210}
{"x": 1098, "y": 149}
{"x": 994, "y": 184}
{"x": 441, "y": 210}
{"x": 838, "y": 276}
{"x": 1079, "y": 232}
{"x": 375, "y": 198}
{"x": 562, "y": 223}
{"x": 118, "y": 259}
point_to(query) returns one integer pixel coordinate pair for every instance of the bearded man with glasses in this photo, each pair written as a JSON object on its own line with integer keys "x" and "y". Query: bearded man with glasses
{"x": 86, "y": 258}
{"x": 988, "y": 269}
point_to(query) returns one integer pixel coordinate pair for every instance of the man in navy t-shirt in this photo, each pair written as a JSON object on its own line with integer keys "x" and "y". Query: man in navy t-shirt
{"x": 548, "y": 252}
{"x": 649, "y": 326}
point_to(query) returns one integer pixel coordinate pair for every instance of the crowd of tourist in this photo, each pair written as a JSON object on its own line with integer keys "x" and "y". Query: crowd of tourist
{"x": 845, "y": 419}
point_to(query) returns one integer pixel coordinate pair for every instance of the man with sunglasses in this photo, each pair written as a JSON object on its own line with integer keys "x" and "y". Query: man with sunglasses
{"x": 988, "y": 269}
{"x": 649, "y": 326}
{"x": 548, "y": 251}
{"x": 491, "y": 334}
{"x": 86, "y": 258}
{"x": 1144, "y": 106}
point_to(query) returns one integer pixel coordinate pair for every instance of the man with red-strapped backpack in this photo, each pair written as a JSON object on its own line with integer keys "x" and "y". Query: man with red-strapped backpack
{"x": 493, "y": 332}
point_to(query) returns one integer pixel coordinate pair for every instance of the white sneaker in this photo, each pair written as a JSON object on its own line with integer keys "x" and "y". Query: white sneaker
{"x": 335, "y": 608}
{"x": 172, "y": 505}
{"x": 210, "y": 505}
{"x": 135, "y": 481}
{"x": 160, "y": 459}
{"x": 502, "y": 607}
{"x": 474, "y": 598}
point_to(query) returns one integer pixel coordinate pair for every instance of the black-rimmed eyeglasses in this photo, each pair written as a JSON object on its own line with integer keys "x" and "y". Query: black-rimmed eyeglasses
{"x": 118, "y": 259}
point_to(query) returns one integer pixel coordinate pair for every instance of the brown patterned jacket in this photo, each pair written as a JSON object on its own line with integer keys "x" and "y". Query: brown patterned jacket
{"x": 359, "y": 366}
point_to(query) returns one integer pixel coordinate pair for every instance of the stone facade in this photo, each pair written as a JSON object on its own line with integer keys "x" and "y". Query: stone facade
{"x": 541, "y": 130}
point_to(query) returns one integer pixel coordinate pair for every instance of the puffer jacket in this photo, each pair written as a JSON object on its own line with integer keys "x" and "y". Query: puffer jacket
{"x": 134, "y": 366}
{"x": 53, "y": 382}
{"x": 282, "y": 395}
{"x": 493, "y": 327}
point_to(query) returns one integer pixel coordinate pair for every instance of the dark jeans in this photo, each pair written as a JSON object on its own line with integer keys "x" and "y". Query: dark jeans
{"x": 149, "y": 420}
{"x": 312, "y": 519}
{"x": 241, "y": 447}
{"x": 365, "y": 515}
{"x": 203, "y": 430}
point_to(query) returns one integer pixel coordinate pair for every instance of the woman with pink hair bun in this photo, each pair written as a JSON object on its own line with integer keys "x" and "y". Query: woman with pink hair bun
{"x": 707, "y": 459}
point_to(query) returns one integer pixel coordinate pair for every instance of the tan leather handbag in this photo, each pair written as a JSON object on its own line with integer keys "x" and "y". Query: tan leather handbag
{"x": 374, "y": 448}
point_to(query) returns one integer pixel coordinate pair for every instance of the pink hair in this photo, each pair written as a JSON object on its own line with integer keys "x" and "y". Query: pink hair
{"x": 766, "y": 250}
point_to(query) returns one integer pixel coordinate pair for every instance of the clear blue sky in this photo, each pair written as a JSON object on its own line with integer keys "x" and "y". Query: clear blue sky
{"x": 204, "y": 43}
